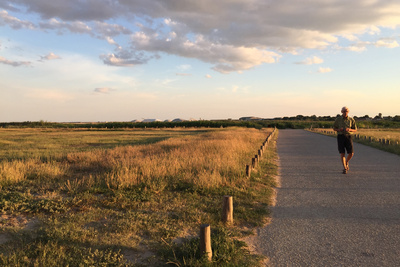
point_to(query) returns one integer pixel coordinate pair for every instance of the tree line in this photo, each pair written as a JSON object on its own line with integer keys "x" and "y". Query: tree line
{"x": 296, "y": 122}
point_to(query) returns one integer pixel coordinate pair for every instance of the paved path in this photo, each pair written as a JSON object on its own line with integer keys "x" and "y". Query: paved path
{"x": 326, "y": 218}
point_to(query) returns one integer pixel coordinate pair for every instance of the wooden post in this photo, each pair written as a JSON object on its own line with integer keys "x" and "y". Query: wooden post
{"x": 259, "y": 153}
{"x": 253, "y": 162}
{"x": 248, "y": 171}
{"x": 205, "y": 241}
{"x": 256, "y": 159}
{"x": 227, "y": 211}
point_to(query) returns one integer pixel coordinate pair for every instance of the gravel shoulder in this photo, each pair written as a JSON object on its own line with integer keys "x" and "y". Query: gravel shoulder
{"x": 325, "y": 218}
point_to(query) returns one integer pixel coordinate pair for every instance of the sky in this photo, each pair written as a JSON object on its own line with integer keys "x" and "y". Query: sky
{"x": 124, "y": 60}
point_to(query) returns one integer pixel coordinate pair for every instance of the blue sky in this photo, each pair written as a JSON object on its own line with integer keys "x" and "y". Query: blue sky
{"x": 120, "y": 60}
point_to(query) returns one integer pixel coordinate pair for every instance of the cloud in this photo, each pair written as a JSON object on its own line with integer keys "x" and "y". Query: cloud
{"x": 13, "y": 22}
{"x": 49, "y": 56}
{"x": 124, "y": 58}
{"x": 184, "y": 67}
{"x": 227, "y": 58}
{"x": 231, "y": 35}
{"x": 14, "y": 63}
{"x": 311, "y": 61}
{"x": 388, "y": 43}
{"x": 208, "y": 76}
{"x": 324, "y": 70}
{"x": 61, "y": 26}
{"x": 72, "y": 9}
{"x": 104, "y": 90}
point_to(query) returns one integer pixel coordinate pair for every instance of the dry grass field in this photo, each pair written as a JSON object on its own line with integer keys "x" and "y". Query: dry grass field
{"x": 129, "y": 197}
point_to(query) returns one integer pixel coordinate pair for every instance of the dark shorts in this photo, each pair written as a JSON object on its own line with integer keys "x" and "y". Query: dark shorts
{"x": 345, "y": 143}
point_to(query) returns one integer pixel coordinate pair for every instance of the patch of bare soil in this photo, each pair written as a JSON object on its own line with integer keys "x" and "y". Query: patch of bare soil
{"x": 15, "y": 221}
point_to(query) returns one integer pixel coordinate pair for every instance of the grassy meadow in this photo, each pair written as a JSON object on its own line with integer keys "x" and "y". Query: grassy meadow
{"x": 129, "y": 197}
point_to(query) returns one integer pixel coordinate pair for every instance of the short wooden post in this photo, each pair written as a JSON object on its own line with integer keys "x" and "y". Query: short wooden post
{"x": 227, "y": 211}
{"x": 248, "y": 171}
{"x": 253, "y": 162}
{"x": 205, "y": 241}
{"x": 259, "y": 153}
{"x": 256, "y": 159}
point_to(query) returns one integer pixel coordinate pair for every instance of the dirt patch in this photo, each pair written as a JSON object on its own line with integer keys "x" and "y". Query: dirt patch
{"x": 17, "y": 221}
{"x": 142, "y": 256}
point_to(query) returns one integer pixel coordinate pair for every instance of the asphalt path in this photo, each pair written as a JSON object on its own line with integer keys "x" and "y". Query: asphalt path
{"x": 325, "y": 218}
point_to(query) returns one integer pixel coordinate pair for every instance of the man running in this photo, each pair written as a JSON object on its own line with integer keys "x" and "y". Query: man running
{"x": 344, "y": 126}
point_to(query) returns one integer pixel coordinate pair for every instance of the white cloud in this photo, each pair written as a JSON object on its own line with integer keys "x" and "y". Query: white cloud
{"x": 324, "y": 70}
{"x": 208, "y": 76}
{"x": 184, "y": 67}
{"x": 387, "y": 43}
{"x": 311, "y": 61}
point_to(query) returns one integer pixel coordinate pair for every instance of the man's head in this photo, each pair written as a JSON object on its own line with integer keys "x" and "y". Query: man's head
{"x": 345, "y": 111}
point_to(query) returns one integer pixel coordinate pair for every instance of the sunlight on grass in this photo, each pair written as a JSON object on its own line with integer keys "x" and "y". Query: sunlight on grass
{"x": 118, "y": 195}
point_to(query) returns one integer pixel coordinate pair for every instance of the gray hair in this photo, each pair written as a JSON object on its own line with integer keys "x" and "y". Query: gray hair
{"x": 345, "y": 108}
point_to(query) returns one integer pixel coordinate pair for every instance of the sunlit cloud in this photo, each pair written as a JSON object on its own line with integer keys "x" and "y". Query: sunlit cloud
{"x": 13, "y": 22}
{"x": 324, "y": 70}
{"x": 14, "y": 63}
{"x": 387, "y": 43}
{"x": 49, "y": 56}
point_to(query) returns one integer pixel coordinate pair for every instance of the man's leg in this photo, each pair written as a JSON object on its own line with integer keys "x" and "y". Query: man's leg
{"x": 343, "y": 158}
{"x": 349, "y": 156}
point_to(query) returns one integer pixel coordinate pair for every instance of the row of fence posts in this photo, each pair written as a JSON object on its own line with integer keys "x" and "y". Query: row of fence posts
{"x": 227, "y": 210}
{"x": 382, "y": 141}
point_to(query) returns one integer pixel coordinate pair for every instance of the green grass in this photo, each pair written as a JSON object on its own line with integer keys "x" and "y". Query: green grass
{"x": 57, "y": 211}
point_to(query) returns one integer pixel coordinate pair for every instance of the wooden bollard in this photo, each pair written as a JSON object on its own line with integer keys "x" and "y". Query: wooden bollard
{"x": 256, "y": 159}
{"x": 205, "y": 241}
{"x": 259, "y": 153}
{"x": 227, "y": 211}
{"x": 248, "y": 171}
{"x": 253, "y": 162}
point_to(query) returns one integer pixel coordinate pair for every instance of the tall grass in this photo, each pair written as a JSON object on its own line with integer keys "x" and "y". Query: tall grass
{"x": 110, "y": 202}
